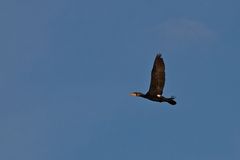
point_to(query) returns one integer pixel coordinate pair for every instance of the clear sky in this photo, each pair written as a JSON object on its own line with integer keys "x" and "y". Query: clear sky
{"x": 67, "y": 68}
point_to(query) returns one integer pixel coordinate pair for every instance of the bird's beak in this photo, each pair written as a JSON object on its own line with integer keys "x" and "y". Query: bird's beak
{"x": 132, "y": 94}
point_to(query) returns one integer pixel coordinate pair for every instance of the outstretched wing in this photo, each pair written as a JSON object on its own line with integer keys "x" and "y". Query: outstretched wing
{"x": 157, "y": 77}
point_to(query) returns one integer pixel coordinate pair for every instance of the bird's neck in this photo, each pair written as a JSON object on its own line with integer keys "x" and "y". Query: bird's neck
{"x": 142, "y": 95}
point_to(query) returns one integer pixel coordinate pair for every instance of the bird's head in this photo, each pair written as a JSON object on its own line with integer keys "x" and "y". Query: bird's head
{"x": 137, "y": 94}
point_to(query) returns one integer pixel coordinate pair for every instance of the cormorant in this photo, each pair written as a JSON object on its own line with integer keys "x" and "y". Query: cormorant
{"x": 157, "y": 83}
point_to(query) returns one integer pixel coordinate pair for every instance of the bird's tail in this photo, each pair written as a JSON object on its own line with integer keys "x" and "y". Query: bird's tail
{"x": 171, "y": 101}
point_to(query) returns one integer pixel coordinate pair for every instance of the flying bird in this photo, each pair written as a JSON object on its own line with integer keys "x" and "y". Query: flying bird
{"x": 157, "y": 83}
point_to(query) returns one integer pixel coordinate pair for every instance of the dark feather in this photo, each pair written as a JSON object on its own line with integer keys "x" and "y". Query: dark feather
{"x": 157, "y": 77}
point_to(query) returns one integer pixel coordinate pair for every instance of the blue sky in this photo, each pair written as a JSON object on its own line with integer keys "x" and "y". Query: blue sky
{"x": 67, "y": 67}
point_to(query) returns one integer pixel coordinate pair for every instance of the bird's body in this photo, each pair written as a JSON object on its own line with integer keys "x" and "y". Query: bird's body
{"x": 157, "y": 83}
